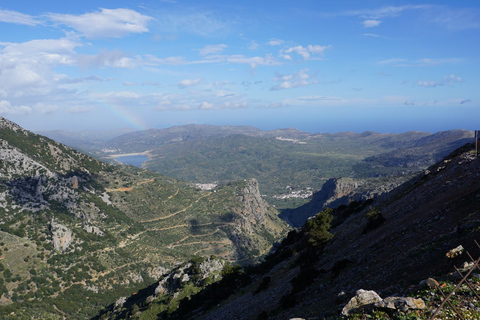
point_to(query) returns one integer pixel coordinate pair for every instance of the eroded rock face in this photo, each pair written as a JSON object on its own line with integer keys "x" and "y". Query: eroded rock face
{"x": 171, "y": 283}
{"x": 253, "y": 206}
{"x": 62, "y": 237}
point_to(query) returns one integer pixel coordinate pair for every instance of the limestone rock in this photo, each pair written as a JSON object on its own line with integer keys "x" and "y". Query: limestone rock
{"x": 362, "y": 300}
{"x": 95, "y": 230}
{"x": 432, "y": 283}
{"x": 62, "y": 237}
{"x": 401, "y": 303}
{"x": 455, "y": 252}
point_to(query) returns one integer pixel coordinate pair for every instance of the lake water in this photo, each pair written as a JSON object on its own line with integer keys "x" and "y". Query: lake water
{"x": 134, "y": 160}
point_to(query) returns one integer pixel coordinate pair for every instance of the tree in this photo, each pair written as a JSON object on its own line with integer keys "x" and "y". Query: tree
{"x": 317, "y": 228}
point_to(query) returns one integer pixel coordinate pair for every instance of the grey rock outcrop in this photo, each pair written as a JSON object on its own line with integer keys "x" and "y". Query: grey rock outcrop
{"x": 401, "y": 303}
{"x": 62, "y": 236}
{"x": 368, "y": 300}
{"x": 95, "y": 230}
{"x": 363, "y": 299}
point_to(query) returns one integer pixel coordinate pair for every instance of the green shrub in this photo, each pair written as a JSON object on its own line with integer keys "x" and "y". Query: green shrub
{"x": 317, "y": 228}
{"x": 375, "y": 220}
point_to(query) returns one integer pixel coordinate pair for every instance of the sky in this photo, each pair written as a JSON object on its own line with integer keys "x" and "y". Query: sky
{"x": 319, "y": 66}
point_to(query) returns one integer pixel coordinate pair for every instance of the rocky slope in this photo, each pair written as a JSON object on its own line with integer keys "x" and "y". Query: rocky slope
{"x": 389, "y": 245}
{"x": 76, "y": 232}
{"x": 341, "y": 191}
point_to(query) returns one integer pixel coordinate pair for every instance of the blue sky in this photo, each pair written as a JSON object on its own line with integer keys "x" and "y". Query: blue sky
{"x": 320, "y": 66}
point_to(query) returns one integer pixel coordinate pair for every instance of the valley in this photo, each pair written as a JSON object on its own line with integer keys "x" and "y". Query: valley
{"x": 72, "y": 226}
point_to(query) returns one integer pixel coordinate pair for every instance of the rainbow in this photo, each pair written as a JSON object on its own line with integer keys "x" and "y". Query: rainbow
{"x": 131, "y": 119}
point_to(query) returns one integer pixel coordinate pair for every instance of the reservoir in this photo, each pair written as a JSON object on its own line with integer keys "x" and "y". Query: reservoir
{"x": 134, "y": 160}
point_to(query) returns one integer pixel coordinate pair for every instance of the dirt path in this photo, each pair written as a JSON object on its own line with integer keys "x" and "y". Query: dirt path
{"x": 130, "y": 188}
{"x": 198, "y": 242}
{"x": 175, "y": 213}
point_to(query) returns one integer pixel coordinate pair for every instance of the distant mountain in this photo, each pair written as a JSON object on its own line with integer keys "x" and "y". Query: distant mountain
{"x": 288, "y": 163}
{"x": 390, "y": 244}
{"x": 76, "y": 232}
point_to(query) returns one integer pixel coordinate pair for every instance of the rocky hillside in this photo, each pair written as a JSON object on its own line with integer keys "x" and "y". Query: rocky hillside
{"x": 76, "y": 233}
{"x": 341, "y": 191}
{"x": 389, "y": 245}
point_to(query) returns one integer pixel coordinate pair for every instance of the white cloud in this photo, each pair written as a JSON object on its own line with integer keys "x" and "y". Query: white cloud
{"x": 446, "y": 80}
{"x": 106, "y": 23}
{"x": 275, "y": 42}
{"x": 464, "y": 101}
{"x": 207, "y": 106}
{"x": 305, "y": 53}
{"x": 371, "y": 23}
{"x": 7, "y": 108}
{"x": 212, "y": 49}
{"x": 27, "y": 69}
{"x": 9, "y": 16}
{"x": 188, "y": 83}
{"x": 130, "y": 84}
{"x": 298, "y": 79}
{"x": 409, "y": 103}
{"x": 106, "y": 58}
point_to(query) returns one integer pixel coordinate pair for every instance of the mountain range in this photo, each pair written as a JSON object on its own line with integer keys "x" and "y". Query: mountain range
{"x": 289, "y": 164}
{"x": 76, "y": 232}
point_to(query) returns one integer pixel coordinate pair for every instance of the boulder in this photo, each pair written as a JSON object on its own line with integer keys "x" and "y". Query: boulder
{"x": 455, "y": 252}
{"x": 401, "y": 303}
{"x": 363, "y": 299}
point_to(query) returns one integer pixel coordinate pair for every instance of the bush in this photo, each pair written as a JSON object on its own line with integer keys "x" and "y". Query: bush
{"x": 375, "y": 220}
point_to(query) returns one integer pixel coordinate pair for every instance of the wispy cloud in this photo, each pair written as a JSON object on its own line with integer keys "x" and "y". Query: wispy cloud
{"x": 199, "y": 22}
{"x": 15, "y": 17}
{"x": 384, "y": 12}
{"x": 371, "y": 23}
{"x": 456, "y": 19}
{"x": 212, "y": 49}
{"x": 425, "y": 62}
{"x": 188, "y": 83}
{"x": 464, "y": 101}
{"x": 446, "y": 80}
{"x": 297, "y": 79}
{"x": 106, "y": 23}
{"x": 275, "y": 42}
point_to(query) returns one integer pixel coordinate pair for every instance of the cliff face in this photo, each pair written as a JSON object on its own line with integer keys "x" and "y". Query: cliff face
{"x": 256, "y": 223}
{"x": 341, "y": 191}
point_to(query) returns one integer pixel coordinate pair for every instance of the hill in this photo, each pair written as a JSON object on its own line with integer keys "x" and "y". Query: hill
{"x": 389, "y": 244}
{"x": 289, "y": 164}
{"x": 76, "y": 232}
